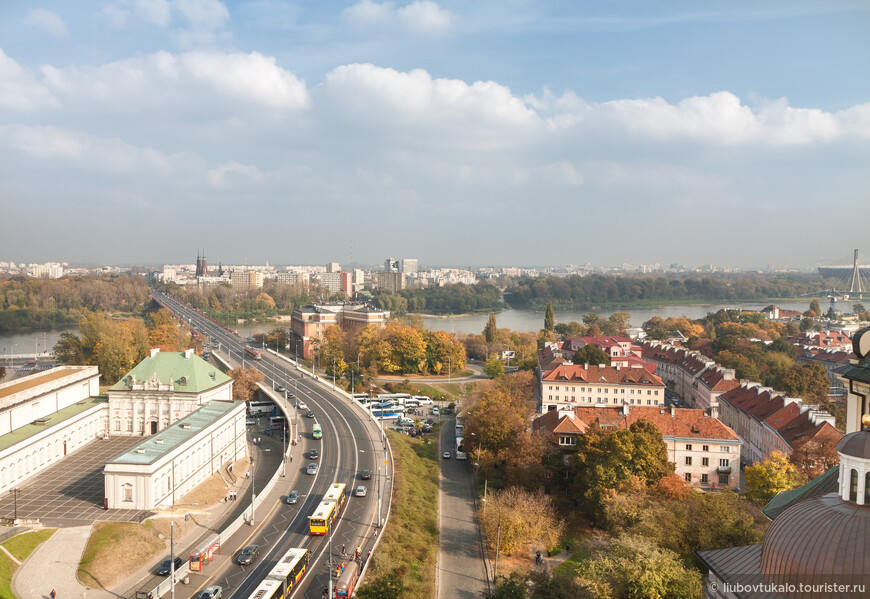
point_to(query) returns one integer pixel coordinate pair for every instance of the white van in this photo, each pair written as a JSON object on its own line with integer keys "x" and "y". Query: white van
{"x": 422, "y": 399}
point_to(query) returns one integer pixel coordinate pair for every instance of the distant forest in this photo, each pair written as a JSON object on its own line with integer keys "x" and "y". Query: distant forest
{"x": 450, "y": 299}
{"x": 599, "y": 290}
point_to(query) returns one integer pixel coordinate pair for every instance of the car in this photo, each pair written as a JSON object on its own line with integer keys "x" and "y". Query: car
{"x": 312, "y": 468}
{"x": 293, "y": 497}
{"x": 166, "y": 565}
{"x": 302, "y": 406}
{"x": 365, "y": 475}
{"x": 435, "y": 411}
{"x": 430, "y": 422}
{"x": 248, "y": 555}
{"x": 360, "y": 491}
{"x": 214, "y": 592}
{"x": 290, "y": 396}
{"x": 310, "y": 415}
{"x": 446, "y": 455}
{"x": 250, "y": 422}
{"x": 281, "y": 389}
{"x": 314, "y": 454}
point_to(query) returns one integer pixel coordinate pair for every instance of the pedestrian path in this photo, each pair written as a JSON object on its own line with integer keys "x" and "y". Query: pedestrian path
{"x": 60, "y": 556}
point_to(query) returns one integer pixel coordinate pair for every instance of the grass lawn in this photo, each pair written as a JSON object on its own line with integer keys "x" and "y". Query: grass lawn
{"x": 20, "y": 546}
{"x": 116, "y": 549}
{"x": 409, "y": 544}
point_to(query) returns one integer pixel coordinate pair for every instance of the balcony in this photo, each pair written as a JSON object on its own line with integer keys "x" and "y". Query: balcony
{"x": 724, "y": 469}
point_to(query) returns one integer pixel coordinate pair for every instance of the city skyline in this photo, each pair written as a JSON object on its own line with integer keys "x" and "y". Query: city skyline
{"x": 132, "y": 131}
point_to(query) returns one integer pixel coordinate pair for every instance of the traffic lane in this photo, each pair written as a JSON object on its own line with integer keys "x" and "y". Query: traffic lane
{"x": 461, "y": 571}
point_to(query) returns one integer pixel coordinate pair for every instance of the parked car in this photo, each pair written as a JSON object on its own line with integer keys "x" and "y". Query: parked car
{"x": 446, "y": 455}
{"x": 314, "y": 454}
{"x": 166, "y": 565}
{"x": 293, "y": 497}
{"x": 250, "y": 422}
{"x": 360, "y": 491}
{"x": 248, "y": 555}
{"x": 312, "y": 468}
{"x": 365, "y": 475}
{"x": 435, "y": 411}
{"x": 214, "y": 592}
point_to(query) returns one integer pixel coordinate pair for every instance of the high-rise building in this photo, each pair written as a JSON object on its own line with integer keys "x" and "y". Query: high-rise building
{"x": 391, "y": 265}
{"x": 390, "y": 281}
{"x": 247, "y": 280}
{"x": 409, "y": 266}
{"x": 333, "y": 267}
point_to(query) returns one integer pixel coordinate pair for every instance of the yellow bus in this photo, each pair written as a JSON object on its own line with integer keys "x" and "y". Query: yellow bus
{"x": 284, "y": 577}
{"x": 326, "y": 513}
{"x": 253, "y": 353}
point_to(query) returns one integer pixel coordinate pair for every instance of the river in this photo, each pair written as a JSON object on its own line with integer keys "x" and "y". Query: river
{"x": 39, "y": 342}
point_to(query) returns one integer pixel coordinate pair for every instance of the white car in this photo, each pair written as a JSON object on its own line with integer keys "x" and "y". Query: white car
{"x": 312, "y": 468}
{"x": 302, "y": 406}
{"x": 360, "y": 491}
{"x": 435, "y": 411}
{"x": 446, "y": 455}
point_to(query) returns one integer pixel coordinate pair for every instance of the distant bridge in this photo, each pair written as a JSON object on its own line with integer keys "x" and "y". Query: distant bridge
{"x": 855, "y": 277}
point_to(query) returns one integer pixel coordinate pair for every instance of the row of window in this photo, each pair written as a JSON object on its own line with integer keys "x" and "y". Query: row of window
{"x": 606, "y": 390}
{"x": 705, "y": 479}
{"x": 722, "y": 448}
{"x": 604, "y": 400}
{"x": 723, "y": 463}
{"x": 853, "y": 487}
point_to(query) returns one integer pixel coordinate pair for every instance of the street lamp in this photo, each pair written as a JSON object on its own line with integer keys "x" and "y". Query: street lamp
{"x": 284, "y": 443}
{"x": 253, "y": 491}
{"x": 15, "y": 493}
{"x": 172, "y": 551}
{"x": 449, "y": 366}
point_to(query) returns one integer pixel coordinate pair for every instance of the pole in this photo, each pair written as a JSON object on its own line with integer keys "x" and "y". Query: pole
{"x": 330, "y": 561}
{"x": 172, "y": 553}
{"x": 379, "y": 496}
{"x": 284, "y": 443}
{"x": 449, "y": 367}
{"x": 497, "y": 544}
{"x": 253, "y": 491}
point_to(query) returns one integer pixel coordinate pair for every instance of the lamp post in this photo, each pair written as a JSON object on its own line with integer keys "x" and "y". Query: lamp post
{"x": 284, "y": 444}
{"x": 449, "y": 367}
{"x": 15, "y": 493}
{"x": 253, "y": 491}
{"x": 172, "y": 551}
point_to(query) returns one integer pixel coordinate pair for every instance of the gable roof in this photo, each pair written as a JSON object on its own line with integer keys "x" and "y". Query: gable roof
{"x": 187, "y": 372}
{"x": 821, "y": 485}
{"x": 580, "y": 373}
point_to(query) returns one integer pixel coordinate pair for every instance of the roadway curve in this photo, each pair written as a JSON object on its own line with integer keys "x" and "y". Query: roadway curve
{"x": 351, "y": 443}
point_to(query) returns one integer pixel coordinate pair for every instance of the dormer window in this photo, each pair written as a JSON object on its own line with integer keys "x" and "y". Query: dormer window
{"x": 182, "y": 381}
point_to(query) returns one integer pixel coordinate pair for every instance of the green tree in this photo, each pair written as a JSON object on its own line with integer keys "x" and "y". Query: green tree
{"x": 490, "y": 331}
{"x": 494, "y": 367}
{"x": 515, "y": 586}
{"x": 858, "y": 308}
{"x": 385, "y": 586}
{"x": 549, "y": 318}
{"x": 765, "y": 479}
{"x": 815, "y": 307}
{"x": 589, "y": 354}
{"x": 69, "y": 350}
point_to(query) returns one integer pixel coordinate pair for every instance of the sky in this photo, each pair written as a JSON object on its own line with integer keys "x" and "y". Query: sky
{"x": 490, "y": 132}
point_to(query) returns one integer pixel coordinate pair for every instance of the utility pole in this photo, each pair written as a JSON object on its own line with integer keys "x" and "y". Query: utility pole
{"x": 284, "y": 434}
{"x": 253, "y": 491}
{"x": 379, "y": 496}
{"x": 330, "y": 561}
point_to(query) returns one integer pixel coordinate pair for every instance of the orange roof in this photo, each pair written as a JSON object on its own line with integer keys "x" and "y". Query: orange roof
{"x": 608, "y": 374}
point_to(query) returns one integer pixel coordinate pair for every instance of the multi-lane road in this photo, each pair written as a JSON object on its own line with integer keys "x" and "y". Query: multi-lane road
{"x": 351, "y": 443}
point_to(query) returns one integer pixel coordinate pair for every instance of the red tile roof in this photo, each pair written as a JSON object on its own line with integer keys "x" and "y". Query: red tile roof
{"x": 607, "y": 374}
{"x": 680, "y": 423}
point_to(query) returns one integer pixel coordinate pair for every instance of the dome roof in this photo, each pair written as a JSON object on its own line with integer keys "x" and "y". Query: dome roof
{"x": 856, "y": 445}
{"x": 820, "y": 540}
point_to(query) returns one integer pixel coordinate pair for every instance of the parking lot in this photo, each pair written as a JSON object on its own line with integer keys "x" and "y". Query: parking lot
{"x": 70, "y": 493}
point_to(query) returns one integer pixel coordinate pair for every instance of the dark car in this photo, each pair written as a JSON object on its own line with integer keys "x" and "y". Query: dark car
{"x": 310, "y": 415}
{"x": 366, "y": 475}
{"x": 165, "y": 566}
{"x": 314, "y": 454}
{"x": 249, "y": 554}
{"x": 292, "y": 498}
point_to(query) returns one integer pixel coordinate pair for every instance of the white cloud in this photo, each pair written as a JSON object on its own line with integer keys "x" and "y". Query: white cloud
{"x": 164, "y": 81}
{"x": 46, "y": 20}
{"x": 120, "y": 12}
{"x": 20, "y": 89}
{"x": 199, "y": 22}
{"x": 234, "y": 174}
{"x": 420, "y": 17}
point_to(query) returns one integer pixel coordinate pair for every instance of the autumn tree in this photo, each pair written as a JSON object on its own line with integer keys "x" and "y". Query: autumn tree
{"x": 443, "y": 352}
{"x": 490, "y": 330}
{"x": 385, "y": 586}
{"x": 518, "y": 517}
{"x": 807, "y": 381}
{"x": 815, "y": 456}
{"x": 494, "y": 367}
{"x": 538, "y": 584}
{"x": 589, "y": 354}
{"x": 332, "y": 351}
{"x": 115, "y": 347}
{"x": 765, "y": 479}
{"x": 545, "y": 336}
{"x": 815, "y": 308}
{"x": 245, "y": 382}
{"x": 549, "y": 318}
{"x": 617, "y": 324}
{"x": 571, "y": 329}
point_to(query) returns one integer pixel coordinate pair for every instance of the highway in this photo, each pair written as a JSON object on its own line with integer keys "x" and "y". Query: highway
{"x": 351, "y": 443}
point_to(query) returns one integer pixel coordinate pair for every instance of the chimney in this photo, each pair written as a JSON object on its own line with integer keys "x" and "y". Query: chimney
{"x": 673, "y": 411}
{"x": 188, "y": 353}
{"x": 625, "y": 409}
{"x": 155, "y": 351}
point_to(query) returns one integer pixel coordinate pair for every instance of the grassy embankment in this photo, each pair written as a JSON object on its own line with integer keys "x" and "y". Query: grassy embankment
{"x": 409, "y": 545}
{"x": 21, "y": 547}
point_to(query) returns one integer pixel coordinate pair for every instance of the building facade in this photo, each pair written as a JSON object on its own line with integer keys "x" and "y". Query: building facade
{"x": 161, "y": 389}
{"x": 705, "y": 452}
{"x": 160, "y": 470}
{"x": 571, "y": 385}
{"x": 309, "y": 323}
{"x": 246, "y": 280}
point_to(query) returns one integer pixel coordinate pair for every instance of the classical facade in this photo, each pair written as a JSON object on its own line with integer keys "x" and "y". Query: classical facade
{"x": 161, "y": 469}
{"x": 46, "y": 416}
{"x": 161, "y": 389}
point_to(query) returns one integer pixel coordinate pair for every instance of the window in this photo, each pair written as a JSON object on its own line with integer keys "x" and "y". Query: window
{"x": 688, "y": 447}
{"x": 705, "y": 479}
{"x": 128, "y": 493}
{"x": 705, "y": 448}
{"x": 567, "y": 440}
{"x": 688, "y": 460}
{"x": 129, "y": 426}
{"x": 705, "y": 461}
{"x": 853, "y": 486}
{"x": 117, "y": 425}
{"x": 657, "y": 392}
{"x": 723, "y": 479}
{"x": 687, "y": 477}
{"x": 724, "y": 449}
{"x": 723, "y": 463}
